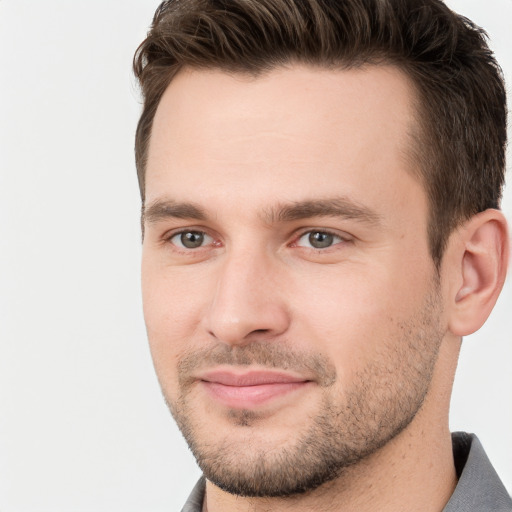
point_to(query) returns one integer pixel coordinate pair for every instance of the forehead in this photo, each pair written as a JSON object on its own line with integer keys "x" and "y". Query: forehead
{"x": 280, "y": 133}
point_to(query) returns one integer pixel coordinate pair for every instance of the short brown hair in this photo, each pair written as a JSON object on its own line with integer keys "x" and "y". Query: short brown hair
{"x": 462, "y": 108}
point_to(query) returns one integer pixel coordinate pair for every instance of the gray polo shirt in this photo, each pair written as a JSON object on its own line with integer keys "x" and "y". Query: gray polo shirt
{"x": 479, "y": 488}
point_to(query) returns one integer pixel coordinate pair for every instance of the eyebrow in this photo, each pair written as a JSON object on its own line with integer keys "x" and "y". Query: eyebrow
{"x": 162, "y": 209}
{"x": 166, "y": 209}
{"x": 333, "y": 207}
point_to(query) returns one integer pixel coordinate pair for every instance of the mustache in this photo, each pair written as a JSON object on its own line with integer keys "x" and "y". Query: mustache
{"x": 269, "y": 355}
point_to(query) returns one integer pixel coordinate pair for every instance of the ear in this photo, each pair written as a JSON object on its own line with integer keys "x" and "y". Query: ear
{"x": 478, "y": 266}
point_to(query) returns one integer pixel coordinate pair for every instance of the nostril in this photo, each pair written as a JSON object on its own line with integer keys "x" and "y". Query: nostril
{"x": 261, "y": 331}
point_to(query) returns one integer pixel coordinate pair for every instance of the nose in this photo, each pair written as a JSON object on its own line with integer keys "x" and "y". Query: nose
{"x": 248, "y": 301}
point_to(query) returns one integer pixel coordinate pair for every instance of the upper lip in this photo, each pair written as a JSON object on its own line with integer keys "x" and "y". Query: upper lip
{"x": 249, "y": 378}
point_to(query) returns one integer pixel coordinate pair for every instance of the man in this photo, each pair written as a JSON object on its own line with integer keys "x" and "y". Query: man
{"x": 321, "y": 184}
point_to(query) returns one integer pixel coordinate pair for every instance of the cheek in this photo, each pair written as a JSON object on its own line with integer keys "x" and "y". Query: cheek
{"x": 349, "y": 315}
{"x": 171, "y": 312}
{"x": 343, "y": 324}
{"x": 172, "y": 296}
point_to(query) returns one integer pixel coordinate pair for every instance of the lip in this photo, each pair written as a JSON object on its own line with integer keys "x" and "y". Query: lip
{"x": 250, "y": 389}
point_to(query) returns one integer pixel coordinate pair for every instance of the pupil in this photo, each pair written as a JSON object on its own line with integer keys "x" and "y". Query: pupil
{"x": 320, "y": 240}
{"x": 192, "y": 239}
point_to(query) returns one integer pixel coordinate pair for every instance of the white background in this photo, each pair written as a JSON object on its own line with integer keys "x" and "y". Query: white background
{"x": 82, "y": 423}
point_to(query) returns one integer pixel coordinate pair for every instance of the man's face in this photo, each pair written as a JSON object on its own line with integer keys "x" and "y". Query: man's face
{"x": 292, "y": 308}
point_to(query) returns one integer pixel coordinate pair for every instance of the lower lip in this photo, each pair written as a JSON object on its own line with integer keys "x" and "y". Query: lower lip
{"x": 246, "y": 397}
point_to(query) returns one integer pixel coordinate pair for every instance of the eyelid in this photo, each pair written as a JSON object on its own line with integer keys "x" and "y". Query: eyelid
{"x": 169, "y": 233}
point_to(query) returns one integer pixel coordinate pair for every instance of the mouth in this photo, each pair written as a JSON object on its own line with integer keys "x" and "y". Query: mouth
{"x": 251, "y": 389}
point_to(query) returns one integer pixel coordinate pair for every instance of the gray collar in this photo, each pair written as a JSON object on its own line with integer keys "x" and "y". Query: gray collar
{"x": 479, "y": 487}
{"x": 195, "y": 500}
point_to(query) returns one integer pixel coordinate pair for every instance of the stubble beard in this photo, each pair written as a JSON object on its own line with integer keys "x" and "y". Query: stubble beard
{"x": 382, "y": 400}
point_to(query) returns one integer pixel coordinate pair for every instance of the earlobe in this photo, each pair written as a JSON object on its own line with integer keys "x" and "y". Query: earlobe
{"x": 481, "y": 261}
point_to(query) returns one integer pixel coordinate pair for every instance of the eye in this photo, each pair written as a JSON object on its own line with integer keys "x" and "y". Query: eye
{"x": 318, "y": 239}
{"x": 191, "y": 239}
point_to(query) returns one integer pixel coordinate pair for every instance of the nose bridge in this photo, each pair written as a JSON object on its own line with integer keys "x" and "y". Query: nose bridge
{"x": 246, "y": 299}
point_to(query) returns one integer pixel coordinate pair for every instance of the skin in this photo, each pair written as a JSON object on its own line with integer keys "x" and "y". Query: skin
{"x": 366, "y": 324}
